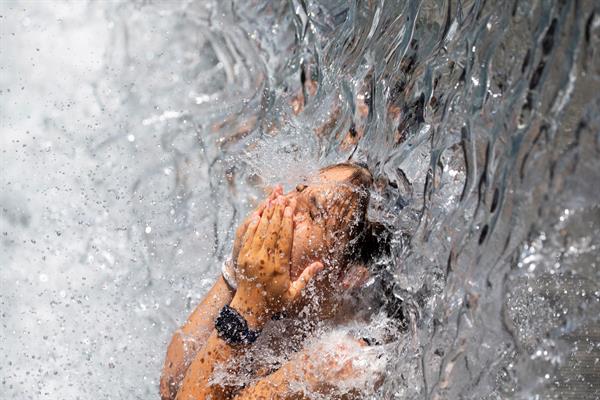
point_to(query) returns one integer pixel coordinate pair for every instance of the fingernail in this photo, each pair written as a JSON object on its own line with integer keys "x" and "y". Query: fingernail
{"x": 288, "y": 212}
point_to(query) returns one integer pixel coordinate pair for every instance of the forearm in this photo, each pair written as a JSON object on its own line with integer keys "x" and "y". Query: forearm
{"x": 324, "y": 369}
{"x": 198, "y": 382}
{"x": 275, "y": 386}
{"x": 192, "y": 337}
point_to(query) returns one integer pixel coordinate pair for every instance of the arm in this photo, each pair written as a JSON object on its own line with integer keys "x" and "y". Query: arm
{"x": 194, "y": 334}
{"x": 217, "y": 352}
{"x": 275, "y": 386}
{"x": 264, "y": 288}
{"x": 191, "y": 337}
{"x": 329, "y": 369}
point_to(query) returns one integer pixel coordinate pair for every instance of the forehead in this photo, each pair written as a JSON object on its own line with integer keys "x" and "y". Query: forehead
{"x": 324, "y": 180}
{"x": 337, "y": 174}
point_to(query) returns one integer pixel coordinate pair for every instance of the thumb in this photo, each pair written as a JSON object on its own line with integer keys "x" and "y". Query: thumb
{"x": 299, "y": 284}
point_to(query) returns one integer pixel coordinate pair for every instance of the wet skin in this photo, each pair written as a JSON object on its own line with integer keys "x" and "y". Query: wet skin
{"x": 325, "y": 210}
{"x": 319, "y": 215}
{"x": 290, "y": 241}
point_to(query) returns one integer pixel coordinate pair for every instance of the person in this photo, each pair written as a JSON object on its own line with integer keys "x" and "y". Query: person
{"x": 266, "y": 329}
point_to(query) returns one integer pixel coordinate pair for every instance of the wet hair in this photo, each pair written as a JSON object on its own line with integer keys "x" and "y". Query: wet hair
{"x": 361, "y": 176}
{"x": 370, "y": 240}
{"x": 370, "y": 244}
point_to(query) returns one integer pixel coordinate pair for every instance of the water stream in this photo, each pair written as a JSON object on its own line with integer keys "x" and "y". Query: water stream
{"x": 135, "y": 135}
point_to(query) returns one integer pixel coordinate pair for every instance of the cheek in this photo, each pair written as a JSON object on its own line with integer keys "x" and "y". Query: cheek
{"x": 299, "y": 249}
{"x": 305, "y": 247}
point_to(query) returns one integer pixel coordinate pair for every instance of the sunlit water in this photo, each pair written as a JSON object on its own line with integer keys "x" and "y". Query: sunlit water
{"x": 134, "y": 136}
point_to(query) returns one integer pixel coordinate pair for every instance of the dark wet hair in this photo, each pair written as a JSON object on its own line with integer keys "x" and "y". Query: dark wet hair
{"x": 371, "y": 240}
{"x": 371, "y": 246}
{"x": 361, "y": 176}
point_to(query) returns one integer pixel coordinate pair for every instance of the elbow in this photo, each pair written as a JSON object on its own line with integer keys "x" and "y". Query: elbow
{"x": 173, "y": 369}
{"x": 168, "y": 386}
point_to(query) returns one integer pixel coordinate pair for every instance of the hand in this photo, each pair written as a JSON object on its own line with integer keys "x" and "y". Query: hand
{"x": 241, "y": 231}
{"x": 340, "y": 367}
{"x": 264, "y": 284}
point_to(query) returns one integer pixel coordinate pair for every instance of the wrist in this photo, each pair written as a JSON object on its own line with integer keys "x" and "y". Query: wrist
{"x": 251, "y": 304}
{"x": 233, "y": 328}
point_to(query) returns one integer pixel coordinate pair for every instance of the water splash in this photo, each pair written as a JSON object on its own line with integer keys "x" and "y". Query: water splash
{"x": 478, "y": 119}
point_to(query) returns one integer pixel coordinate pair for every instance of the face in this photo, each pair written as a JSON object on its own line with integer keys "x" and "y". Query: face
{"x": 329, "y": 211}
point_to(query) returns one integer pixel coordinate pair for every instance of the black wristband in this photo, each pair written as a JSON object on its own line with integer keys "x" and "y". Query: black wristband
{"x": 233, "y": 328}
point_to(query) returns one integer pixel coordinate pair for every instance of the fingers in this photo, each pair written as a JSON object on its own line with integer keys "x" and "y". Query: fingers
{"x": 277, "y": 191}
{"x": 241, "y": 230}
{"x": 299, "y": 284}
{"x": 274, "y": 227}
{"x": 263, "y": 226}
{"x": 286, "y": 235}
{"x": 249, "y": 235}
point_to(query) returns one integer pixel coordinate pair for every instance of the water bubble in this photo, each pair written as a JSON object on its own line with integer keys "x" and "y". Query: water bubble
{"x": 148, "y": 229}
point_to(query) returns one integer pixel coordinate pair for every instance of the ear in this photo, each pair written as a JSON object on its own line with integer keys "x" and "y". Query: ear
{"x": 356, "y": 276}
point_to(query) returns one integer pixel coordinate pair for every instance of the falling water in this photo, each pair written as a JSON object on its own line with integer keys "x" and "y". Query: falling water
{"x": 135, "y": 135}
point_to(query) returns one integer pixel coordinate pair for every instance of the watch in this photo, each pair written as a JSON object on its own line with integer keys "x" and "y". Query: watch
{"x": 233, "y": 328}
